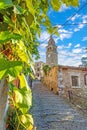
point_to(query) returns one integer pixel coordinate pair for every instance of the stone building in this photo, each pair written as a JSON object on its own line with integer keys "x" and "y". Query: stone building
{"x": 66, "y": 76}
{"x": 51, "y": 53}
{"x": 39, "y": 70}
{"x": 73, "y": 77}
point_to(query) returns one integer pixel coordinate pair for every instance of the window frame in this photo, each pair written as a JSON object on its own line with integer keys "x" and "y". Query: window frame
{"x": 78, "y": 75}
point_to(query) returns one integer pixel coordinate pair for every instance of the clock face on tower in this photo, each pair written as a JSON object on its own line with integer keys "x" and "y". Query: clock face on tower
{"x": 49, "y": 55}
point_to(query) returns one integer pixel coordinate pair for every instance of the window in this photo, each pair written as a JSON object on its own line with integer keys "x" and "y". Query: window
{"x": 38, "y": 69}
{"x": 37, "y": 75}
{"x": 74, "y": 80}
{"x": 85, "y": 79}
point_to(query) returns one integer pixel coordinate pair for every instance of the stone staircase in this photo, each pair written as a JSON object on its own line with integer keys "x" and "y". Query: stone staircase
{"x": 50, "y": 112}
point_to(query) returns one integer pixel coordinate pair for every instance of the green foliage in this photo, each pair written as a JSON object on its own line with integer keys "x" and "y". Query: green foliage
{"x": 26, "y": 119}
{"x": 12, "y": 68}
{"x": 23, "y": 99}
{"x": 5, "y": 4}
{"x": 20, "y": 23}
{"x": 46, "y": 69}
{"x": 84, "y": 61}
{"x": 56, "y": 4}
{"x": 7, "y": 35}
{"x": 71, "y": 2}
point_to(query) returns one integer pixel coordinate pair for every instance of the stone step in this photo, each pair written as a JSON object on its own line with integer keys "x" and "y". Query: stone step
{"x": 51, "y": 112}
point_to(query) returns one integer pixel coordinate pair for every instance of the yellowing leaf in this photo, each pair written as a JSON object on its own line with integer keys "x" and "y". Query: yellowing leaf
{"x": 30, "y": 127}
{"x": 7, "y": 35}
{"x": 30, "y": 6}
{"x": 23, "y": 82}
{"x": 12, "y": 68}
{"x": 27, "y": 121}
{"x": 21, "y": 51}
{"x": 71, "y": 2}
{"x": 29, "y": 18}
{"x": 23, "y": 99}
{"x": 56, "y": 4}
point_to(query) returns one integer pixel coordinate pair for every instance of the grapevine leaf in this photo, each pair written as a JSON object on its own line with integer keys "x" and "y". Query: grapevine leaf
{"x": 26, "y": 120}
{"x": 23, "y": 82}
{"x": 29, "y": 18}
{"x": 12, "y": 68}
{"x": 30, "y": 127}
{"x": 30, "y": 6}
{"x": 56, "y": 4}
{"x": 5, "y": 4}
{"x": 23, "y": 99}
{"x": 8, "y": 20}
{"x": 21, "y": 52}
{"x": 71, "y": 2}
{"x": 18, "y": 9}
{"x": 6, "y": 36}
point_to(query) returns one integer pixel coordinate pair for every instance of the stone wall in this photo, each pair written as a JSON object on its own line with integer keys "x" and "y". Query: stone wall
{"x": 51, "y": 80}
{"x": 59, "y": 79}
{"x": 3, "y": 103}
{"x": 66, "y": 74}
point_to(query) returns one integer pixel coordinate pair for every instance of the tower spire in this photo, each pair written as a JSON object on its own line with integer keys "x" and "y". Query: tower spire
{"x": 51, "y": 40}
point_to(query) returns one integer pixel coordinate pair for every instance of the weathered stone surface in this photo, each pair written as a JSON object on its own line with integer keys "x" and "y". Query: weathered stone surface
{"x": 51, "y": 112}
{"x": 51, "y": 79}
{"x": 3, "y": 103}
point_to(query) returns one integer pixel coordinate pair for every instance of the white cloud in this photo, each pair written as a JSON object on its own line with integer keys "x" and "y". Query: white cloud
{"x": 76, "y": 29}
{"x": 79, "y": 50}
{"x": 44, "y": 37}
{"x": 43, "y": 45}
{"x": 59, "y": 26}
{"x": 84, "y": 18}
{"x": 63, "y": 8}
{"x": 64, "y": 34}
{"x": 79, "y": 27}
{"x": 77, "y": 45}
{"x": 63, "y": 31}
{"x": 66, "y": 60}
{"x": 84, "y": 39}
{"x": 81, "y": 24}
{"x": 69, "y": 45}
{"x": 75, "y": 17}
{"x": 73, "y": 58}
{"x": 62, "y": 46}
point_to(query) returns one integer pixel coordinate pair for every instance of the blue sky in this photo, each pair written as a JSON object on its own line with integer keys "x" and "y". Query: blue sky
{"x": 72, "y": 39}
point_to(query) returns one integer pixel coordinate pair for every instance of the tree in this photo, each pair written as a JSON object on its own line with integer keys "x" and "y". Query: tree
{"x": 84, "y": 61}
{"x": 46, "y": 69}
{"x": 20, "y": 23}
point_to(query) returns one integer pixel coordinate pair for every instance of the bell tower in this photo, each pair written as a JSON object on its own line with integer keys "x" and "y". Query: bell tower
{"x": 51, "y": 53}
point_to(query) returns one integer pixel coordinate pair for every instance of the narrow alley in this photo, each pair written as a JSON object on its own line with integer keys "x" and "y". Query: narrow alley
{"x": 50, "y": 112}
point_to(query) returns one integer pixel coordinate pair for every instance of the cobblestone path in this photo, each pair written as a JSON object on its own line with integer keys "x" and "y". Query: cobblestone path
{"x": 50, "y": 112}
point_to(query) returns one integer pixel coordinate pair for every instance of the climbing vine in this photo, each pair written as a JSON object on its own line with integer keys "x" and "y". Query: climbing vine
{"x": 20, "y": 23}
